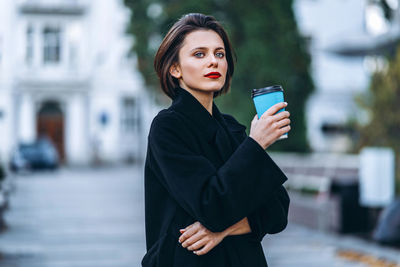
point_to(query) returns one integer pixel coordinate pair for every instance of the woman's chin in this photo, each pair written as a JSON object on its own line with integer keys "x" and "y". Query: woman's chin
{"x": 209, "y": 89}
{"x": 214, "y": 88}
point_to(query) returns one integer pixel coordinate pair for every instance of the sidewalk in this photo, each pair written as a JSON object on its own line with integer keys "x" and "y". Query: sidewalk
{"x": 75, "y": 218}
{"x": 303, "y": 247}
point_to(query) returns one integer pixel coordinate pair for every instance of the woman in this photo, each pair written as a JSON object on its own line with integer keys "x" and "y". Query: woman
{"x": 211, "y": 191}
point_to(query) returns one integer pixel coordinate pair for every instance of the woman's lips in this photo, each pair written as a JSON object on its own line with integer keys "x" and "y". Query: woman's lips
{"x": 213, "y": 75}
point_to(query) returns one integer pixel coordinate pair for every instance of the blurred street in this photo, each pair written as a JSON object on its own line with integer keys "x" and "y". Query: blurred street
{"x": 95, "y": 217}
{"x": 80, "y": 217}
{"x": 303, "y": 247}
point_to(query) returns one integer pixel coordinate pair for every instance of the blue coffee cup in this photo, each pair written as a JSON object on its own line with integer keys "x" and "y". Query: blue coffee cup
{"x": 266, "y": 97}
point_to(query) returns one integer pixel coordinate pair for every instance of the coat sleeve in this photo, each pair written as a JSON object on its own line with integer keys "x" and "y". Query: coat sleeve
{"x": 270, "y": 218}
{"x": 218, "y": 198}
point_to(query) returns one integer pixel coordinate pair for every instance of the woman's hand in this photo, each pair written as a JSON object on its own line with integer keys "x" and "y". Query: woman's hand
{"x": 196, "y": 236}
{"x": 199, "y": 239}
{"x": 271, "y": 125}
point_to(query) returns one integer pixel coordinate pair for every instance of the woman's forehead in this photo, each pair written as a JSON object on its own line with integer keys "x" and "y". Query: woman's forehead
{"x": 204, "y": 39}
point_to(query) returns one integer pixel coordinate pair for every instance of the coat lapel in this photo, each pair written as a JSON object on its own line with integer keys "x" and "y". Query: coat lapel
{"x": 220, "y": 134}
{"x": 200, "y": 119}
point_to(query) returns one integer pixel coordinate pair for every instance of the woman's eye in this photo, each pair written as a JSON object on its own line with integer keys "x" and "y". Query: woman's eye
{"x": 220, "y": 54}
{"x": 199, "y": 54}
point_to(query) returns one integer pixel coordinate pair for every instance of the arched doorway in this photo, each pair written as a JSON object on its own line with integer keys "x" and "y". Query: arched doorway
{"x": 50, "y": 122}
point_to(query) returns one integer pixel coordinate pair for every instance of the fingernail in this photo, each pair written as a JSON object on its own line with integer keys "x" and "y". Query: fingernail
{"x": 285, "y": 103}
{"x": 194, "y": 252}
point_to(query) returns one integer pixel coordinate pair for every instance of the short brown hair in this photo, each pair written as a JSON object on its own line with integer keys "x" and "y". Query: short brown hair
{"x": 168, "y": 52}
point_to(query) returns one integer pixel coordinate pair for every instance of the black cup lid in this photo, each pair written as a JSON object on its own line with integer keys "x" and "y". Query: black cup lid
{"x": 266, "y": 90}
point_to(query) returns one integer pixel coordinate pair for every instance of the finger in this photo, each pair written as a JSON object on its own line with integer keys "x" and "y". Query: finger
{"x": 199, "y": 244}
{"x": 281, "y": 115}
{"x": 204, "y": 250}
{"x": 186, "y": 235}
{"x": 191, "y": 230}
{"x": 255, "y": 119}
{"x": 283, "y": 123}
{"x": 274, "y": 109}
{"x": 182, "y": 230}
{"x": 190, "y": 226}
{"x": 285, "y": 129}
{"x": 193, "y": 239}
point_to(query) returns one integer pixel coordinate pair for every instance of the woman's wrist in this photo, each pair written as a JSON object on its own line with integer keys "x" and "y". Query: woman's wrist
{"x": 258, "y": 142}
{"x": 240, "y": 228}
{"x": 226, "y": 233}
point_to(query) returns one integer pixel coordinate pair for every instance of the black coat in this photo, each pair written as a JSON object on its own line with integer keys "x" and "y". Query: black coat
{"x": 204, "y": 168}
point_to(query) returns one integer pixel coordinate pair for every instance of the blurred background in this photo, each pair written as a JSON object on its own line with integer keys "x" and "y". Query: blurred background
{"x": 78, "y": 93}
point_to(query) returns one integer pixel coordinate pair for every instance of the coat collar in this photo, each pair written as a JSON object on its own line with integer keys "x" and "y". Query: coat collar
{"x": 186, "y": 104}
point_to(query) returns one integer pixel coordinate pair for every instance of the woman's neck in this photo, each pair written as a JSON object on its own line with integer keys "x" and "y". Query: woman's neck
{"x": 205, "y": 98}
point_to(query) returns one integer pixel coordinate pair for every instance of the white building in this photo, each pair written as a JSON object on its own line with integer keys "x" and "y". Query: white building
{"x": 64, "y": 72}
{"x": 330, "y": 25}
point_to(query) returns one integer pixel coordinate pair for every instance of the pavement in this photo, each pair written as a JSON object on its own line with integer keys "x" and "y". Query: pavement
{"x": 300, "y": 246}
{"x": 75, "y": 218}
{"x": 94, "y": 217}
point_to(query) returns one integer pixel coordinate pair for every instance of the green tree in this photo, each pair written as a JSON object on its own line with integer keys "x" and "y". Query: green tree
{"x": 382, "y": 105}
{"x": 387, "y": 11}
{"x": 267, "y": 43}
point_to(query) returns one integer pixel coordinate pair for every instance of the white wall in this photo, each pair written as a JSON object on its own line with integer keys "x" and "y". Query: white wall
{"x": 105, "y": 136}
{"x": 76, "y": 140}
{"x": 114, "y": 77}
{"x": 6, "y": 123}
{"x": 337, "y": 79}
{"x": 26, "y": 119}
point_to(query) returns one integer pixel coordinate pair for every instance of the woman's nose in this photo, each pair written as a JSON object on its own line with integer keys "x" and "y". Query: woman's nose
{"x": 213, "y": 60}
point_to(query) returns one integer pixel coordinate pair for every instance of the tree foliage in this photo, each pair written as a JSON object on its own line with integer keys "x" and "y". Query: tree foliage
{"x": 267, "y": 43}
{"x": 387, "y": 11}
{"x": 382, "y": 102}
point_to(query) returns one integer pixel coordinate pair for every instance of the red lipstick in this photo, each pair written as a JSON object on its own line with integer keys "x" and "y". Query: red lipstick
{"x": 213, "y": 75}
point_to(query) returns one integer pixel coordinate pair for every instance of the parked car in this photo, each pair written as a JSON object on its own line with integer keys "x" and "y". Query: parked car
{"x": 387, "y": 230}
{"x": 38, "y": 155}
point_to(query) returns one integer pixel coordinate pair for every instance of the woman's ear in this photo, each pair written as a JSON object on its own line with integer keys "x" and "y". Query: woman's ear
{"x": 175, "y": 71}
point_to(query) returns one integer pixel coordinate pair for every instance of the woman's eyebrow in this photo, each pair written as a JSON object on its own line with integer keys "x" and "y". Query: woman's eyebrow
{"x": 199, "y": 48}
{"x": 206, "y": 48}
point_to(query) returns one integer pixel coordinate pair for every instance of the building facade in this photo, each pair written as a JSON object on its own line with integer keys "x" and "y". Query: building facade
{"x": 65, "y": 73}
{"x": 338, "y": 79}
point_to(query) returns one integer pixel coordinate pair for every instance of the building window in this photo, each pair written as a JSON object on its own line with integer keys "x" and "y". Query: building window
{"x": 51, "y": 45}
{"x": 29, "y": 45}
{"x": 335, "y": 129}
{"x": 130, "y": 116}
